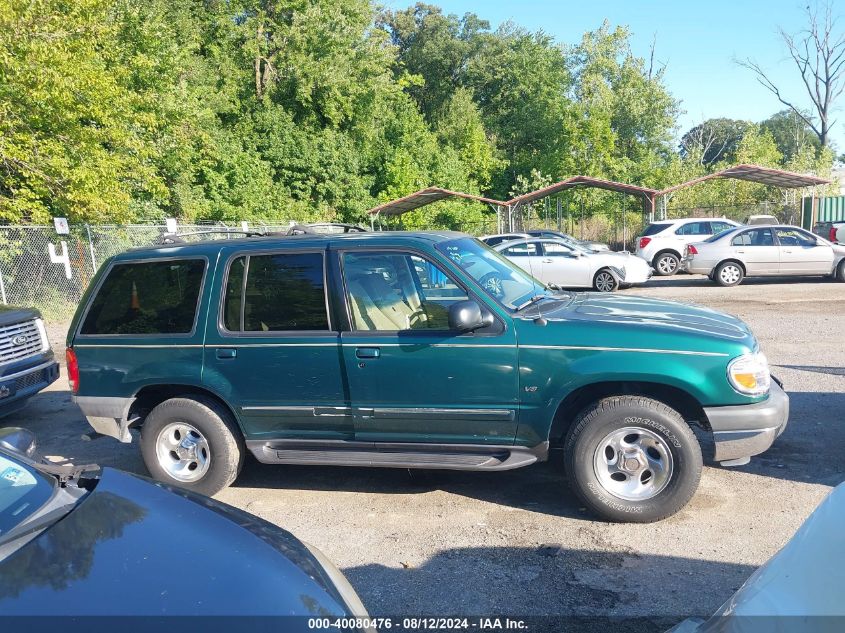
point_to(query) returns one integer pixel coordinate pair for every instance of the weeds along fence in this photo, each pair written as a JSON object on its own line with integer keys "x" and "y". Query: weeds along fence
{"x": 43, "y": 269}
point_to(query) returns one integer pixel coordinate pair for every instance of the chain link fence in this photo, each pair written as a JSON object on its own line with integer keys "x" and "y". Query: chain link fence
{"x": 42, "y": 269}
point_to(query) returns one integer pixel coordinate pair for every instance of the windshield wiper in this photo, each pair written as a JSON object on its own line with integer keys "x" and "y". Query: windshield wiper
{"x": 531, "y": 301}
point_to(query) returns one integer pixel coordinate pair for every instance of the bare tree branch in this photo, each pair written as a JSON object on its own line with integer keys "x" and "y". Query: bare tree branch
{"x": 819, "y": 57}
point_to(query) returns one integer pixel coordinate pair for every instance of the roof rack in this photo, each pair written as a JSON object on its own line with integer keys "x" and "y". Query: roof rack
{"x": 294, "y": 229}
{"x": 176, "y": 238}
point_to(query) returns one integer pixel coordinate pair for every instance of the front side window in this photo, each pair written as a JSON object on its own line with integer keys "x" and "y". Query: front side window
{"x": 390, "y": 291}
{"x": 280, "y": 292}
{"x": 154, "y": 297}
{"x": 756, "y": 237}
{"x": 556, "y": 248}
{"x": 794, "y": 237}
{"x": 521, "y": 250}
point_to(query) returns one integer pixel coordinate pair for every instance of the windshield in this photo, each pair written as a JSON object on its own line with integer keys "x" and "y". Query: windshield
{"x": 23, "y": 490}
{"x": 504, "y": 281}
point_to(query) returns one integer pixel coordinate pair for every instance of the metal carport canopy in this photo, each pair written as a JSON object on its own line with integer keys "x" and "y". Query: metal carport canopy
{"x": 581, "y": 181}
{"x": 423, "y": 197}
{"x": 755, "y": 173}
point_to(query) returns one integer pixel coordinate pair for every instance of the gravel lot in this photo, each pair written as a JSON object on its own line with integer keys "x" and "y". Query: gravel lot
{"x": 517, "y": 543}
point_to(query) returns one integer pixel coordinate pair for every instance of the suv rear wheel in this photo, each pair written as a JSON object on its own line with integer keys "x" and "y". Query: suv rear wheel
{"x": 192, "y": 442}
{"x": 632, "y": 459}
{"x": 839, "y": 275}
{"x": 666, "y": 263}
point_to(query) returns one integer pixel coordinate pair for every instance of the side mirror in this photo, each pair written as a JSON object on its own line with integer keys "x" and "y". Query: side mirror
{"x": 18, "y": 440}
{"x": 466, "y": 316}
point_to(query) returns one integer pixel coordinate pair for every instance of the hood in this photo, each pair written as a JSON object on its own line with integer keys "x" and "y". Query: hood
{"x": 13, "y": 314}
{"x": 134, "y": 547}
{"x": 655, "y": 314}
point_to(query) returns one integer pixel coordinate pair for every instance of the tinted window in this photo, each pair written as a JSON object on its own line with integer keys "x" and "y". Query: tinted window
{"x": 283, "y": 292}
{"x": 156, "y": 297}
{"x": 757, "y": 237}
{"x": 520, "y": 250}
{"x": 694, "y": 228}
{"x": 653, "y": 229}
{"x": 234, "y": 293}
{"x": 397, "y": 291}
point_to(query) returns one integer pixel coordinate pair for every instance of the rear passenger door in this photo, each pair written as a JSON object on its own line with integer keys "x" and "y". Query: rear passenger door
{"x": 271, "y": 349}
{"x": 757, "y": 249}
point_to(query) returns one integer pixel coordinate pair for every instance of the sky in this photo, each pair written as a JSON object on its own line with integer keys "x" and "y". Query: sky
{"x": 697, "y": 41}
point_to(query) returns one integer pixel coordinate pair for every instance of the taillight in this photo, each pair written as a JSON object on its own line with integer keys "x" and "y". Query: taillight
{"x": 832, "y": 235}
{"x": 644, "y": 241}
{"x": 692, "y": 250}
{"x": 72, "y": 370}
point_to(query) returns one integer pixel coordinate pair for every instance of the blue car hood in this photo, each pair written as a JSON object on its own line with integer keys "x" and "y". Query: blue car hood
{"x": 135, "y": 547}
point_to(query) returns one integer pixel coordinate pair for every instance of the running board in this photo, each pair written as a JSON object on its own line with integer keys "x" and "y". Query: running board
{"x": 396, "y": 455}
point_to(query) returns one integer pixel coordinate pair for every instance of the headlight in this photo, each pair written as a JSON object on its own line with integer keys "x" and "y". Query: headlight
{"x": 749, "y": 374}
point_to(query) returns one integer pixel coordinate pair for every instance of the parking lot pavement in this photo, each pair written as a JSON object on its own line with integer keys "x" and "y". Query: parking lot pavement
{"x": 436, "y": 542}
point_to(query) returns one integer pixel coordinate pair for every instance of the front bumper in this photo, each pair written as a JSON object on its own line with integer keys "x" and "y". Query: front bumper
{"x": 741, "y": 431}
{"x": 20, "y": 385}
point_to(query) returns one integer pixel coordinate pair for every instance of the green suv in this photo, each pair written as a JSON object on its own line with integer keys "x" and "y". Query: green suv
{"x": 397, "y": 349}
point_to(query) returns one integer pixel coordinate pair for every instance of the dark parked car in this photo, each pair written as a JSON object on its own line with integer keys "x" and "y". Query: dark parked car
{"x": 81, "y": 541}
{"x": 26, "y": 361}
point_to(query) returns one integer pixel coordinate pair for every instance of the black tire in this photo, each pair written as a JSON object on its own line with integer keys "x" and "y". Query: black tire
{"x": 729, "y": 274}
{"x": 601, "y": 419}
{"x": 605, "y": 281}
{"x": 225, "y": 444}
{"x": 492, "y": 282}
{"x": 839, "y": 275}
{"x": 666, "y": 263}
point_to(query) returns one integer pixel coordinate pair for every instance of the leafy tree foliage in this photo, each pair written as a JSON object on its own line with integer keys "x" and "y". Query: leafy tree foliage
{"x": 131, "y": 110}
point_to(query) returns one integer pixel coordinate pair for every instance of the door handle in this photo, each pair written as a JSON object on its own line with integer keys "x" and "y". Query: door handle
{"x": 368, "y": 352}
{"x": 740, "y": 251}
{"x": 226, "y": 352}
{"x": 547, "y": 261}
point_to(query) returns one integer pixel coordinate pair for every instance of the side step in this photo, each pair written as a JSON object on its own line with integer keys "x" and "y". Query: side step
{"x": 396, "y": 455}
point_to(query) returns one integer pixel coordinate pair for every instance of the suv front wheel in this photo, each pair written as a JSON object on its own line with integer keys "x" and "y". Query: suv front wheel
{"x": 192, "y": 442}
{"x": 632, "y": 459}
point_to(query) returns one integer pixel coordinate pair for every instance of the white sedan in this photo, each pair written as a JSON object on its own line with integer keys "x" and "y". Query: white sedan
{"x": 554, "y": 262}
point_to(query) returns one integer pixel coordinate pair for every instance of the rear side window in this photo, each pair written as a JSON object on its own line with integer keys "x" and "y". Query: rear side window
{"x": 653, "y": 229}
{"x": 155, "y": 297}
{"x": 694, "y": 228}
{"x": 276, "y": 293}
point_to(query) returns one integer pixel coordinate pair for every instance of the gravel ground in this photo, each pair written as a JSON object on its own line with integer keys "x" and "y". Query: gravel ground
{"x": 439, "y": 543}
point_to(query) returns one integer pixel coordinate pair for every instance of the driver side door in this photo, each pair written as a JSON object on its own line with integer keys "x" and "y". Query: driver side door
{"x": 562, "y": 266}
{"x": 410, "y": 378}
{"x": 802, "y": 254}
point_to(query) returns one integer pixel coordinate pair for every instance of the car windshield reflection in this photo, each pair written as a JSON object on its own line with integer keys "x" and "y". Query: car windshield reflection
{"x": 504, "y": 281}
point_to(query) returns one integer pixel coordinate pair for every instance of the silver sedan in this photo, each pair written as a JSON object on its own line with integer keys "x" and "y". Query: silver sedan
{"x": 730, "y": 256}
{"x": 553, "y": 261}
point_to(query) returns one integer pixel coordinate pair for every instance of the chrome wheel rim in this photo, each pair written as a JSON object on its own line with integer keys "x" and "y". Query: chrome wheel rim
{"x": 494, "y": 286}
{"x": 729, "y": 274}
{"x": 633, "y": 463}
{"x": 605, "y": 282}
{"x": 183, "y": 452}
{"x": 667, "y": 264}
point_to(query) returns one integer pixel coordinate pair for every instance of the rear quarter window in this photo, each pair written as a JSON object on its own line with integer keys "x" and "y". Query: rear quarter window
{"x": 653, "y": 229}
{"x": 154, "y": 297}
